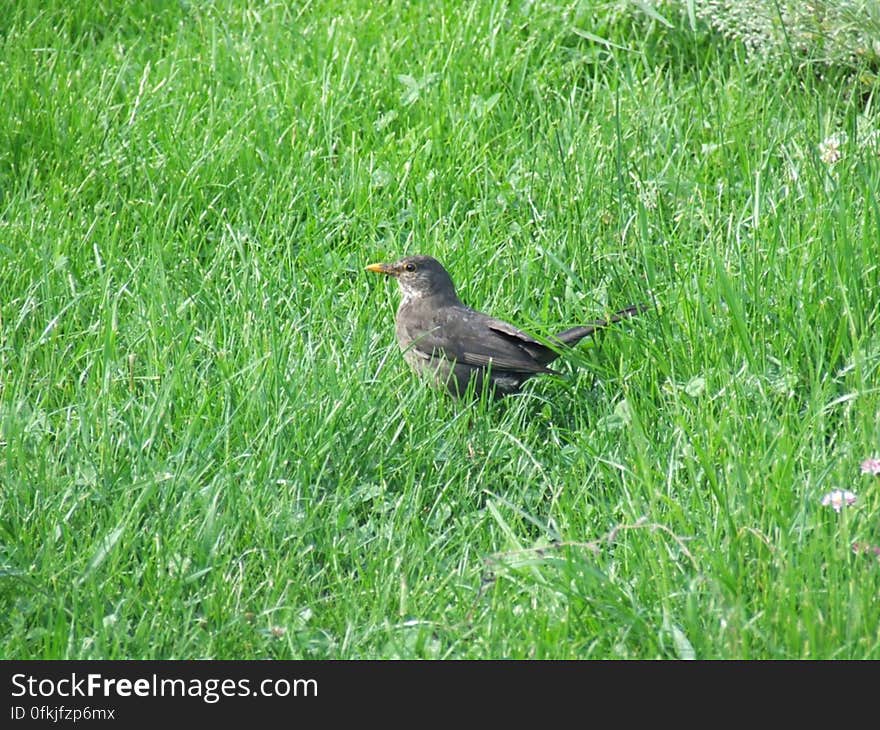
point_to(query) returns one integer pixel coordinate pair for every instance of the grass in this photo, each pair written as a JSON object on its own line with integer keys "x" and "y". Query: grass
{"x": 210, "y": 445}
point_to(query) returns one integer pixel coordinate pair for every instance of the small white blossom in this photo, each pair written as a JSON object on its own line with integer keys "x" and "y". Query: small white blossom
{"x": 838, "y": 499}
{"x": 830, "y": 150}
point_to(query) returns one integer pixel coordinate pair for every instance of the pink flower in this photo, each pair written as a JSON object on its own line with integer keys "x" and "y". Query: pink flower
{"x": 838, "y": 499}
{"x": 871, "y": 466}
{"x": 861, "y": 547}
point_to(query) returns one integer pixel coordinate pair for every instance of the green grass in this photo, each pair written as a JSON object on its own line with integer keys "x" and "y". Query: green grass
{"x": 210, "y": 445}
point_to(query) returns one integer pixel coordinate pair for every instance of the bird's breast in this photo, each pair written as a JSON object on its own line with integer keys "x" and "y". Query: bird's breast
{"x": 418, "y": 316}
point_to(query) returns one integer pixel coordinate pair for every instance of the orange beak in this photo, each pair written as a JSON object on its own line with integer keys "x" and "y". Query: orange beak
{"x": 387, "y": 269}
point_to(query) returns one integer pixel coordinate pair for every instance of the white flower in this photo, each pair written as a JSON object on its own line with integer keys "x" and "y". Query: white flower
{"x": 830, "y": 149}
{"x": 838, "y": 499}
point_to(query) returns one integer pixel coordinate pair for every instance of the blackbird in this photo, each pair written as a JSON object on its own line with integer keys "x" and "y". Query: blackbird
{"x": 454, "y": 345}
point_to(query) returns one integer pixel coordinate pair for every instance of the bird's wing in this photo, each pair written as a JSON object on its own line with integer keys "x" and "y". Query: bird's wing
{"x": 504, "y": 364}
{"x": 508, "y": 330}
{"x": 475, "y": 339}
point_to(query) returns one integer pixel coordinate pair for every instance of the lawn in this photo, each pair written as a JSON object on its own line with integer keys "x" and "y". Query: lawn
{"x": 211, "y": 446}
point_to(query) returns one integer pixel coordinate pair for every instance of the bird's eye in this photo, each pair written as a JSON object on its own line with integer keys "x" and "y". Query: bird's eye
{"x": 410, "y": 267}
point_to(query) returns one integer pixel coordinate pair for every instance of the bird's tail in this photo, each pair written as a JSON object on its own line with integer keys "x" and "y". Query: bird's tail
{"x": 576, "y": 334}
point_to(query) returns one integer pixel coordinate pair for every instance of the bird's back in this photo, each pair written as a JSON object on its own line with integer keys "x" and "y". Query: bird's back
{"x": 457, "y": 344}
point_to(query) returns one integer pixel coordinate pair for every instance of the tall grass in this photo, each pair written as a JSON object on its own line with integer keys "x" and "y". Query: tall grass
{"x": 211, "y": 446}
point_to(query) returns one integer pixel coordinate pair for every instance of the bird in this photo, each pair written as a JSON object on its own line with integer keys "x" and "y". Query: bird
{"x": 456, "y": 346}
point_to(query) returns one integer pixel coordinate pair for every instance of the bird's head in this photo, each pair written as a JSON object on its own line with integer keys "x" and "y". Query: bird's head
{"x": 419, "y": 276}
